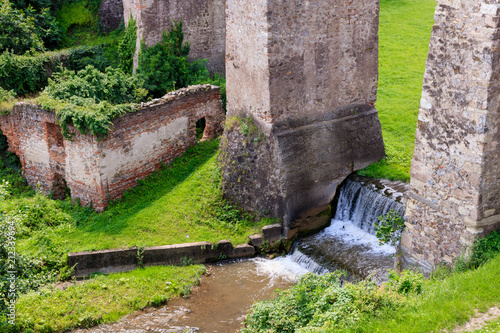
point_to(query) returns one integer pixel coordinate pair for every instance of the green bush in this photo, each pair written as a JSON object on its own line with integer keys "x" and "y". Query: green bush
{"x": 126, "y": 48}
{"x": 164, "y": 66}
{"x": 18, "y": 32}
{"x": 482, "y": 250}
{"x": 91, "y": 99}
{"x": 46, "y": 27}
{"x": 318, "y": 302}
{"x": 25, "y": 74}
{"x": 82, "y": 56}
{"x": 113, "y": 86}
{"x": 390, "y": 228}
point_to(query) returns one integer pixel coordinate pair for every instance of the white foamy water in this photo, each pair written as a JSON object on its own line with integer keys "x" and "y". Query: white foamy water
{"x": 350, "y": 233}
{"x": 280, "y": 268}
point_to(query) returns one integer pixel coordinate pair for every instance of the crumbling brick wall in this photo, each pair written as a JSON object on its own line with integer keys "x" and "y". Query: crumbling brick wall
{"x": 97, "y": 171}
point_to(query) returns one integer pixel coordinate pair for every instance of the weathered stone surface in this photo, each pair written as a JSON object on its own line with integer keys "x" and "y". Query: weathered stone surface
{"x": 111, "y": 14}
{"x": 203, "y": 25}
{"x": 117, "y": 260}
{"x": 256, "y": 240}
{"x": 272, "y": 232}
{"x": 455, "y": 184}
{"x": 97, "y": 171}
{"x": 306, "y": 74}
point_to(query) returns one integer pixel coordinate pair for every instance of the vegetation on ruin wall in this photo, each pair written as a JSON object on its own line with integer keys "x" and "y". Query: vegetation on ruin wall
{"x": 103, "y": 299}
{"x": 406, "y": 303}
{"x": 404, "y": 33}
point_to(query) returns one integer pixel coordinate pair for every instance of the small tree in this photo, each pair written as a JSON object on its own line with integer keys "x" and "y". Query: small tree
{"x": 390, "y": 228}
{"x": 163, "y": 67}
{"x": 126, "y": 48}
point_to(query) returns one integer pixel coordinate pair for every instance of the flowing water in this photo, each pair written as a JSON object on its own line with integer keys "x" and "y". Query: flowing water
{"x": 222, "y": 299}
{"x": 217, "y": 305}
{"x": 349, "y": 243}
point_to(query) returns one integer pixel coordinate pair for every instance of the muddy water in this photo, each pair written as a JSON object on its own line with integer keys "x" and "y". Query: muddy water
{"x": 219, "y": 304}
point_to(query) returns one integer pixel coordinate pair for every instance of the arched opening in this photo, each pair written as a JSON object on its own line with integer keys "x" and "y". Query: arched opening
{"x": 200, "y": 129}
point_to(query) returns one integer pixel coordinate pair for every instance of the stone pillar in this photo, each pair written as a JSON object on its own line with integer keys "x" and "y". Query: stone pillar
{"x": 301, "y": 87}
{"x": 203, "y": 25}
{"x": 455, "y": 176}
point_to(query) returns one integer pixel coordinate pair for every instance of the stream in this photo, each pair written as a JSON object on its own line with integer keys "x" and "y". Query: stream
{"x": 225, "y": 295}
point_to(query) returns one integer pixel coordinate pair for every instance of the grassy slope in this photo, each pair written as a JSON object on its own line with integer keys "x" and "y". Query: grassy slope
{"x": 404, "y": 33}
{"x": 105, "y": 298}
{"x": 444, "y": 304}
{"x": 181, "y": 203}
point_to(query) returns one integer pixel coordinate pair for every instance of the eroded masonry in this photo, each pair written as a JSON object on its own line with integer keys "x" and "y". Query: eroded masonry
{"x": 455, "y": 174}
{"x": 97, "y": 171}
{"x": 301, "y": 87}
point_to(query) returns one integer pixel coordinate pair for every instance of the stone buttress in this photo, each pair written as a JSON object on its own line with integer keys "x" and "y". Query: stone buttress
{"x": 455, "y": 173}
{"x": 301, "y": 88}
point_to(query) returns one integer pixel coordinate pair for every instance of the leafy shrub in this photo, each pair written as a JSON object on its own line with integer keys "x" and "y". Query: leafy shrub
{"x": 164, "y": 66}
{"x": 25, "y": 74}
{"x": 17, "y": 31}
{"x": 319, "y": 301}
{"x": 405, "y": 282}
{"x": 390, "y": 228}
{"x": 82, "y": 56}
{"x": 482, "y": 250}
{"x": 113, "y": 86}
{"x": 91, "y": 99}
{"x": 46, "y": 27}
{"x": 126, "y": 48}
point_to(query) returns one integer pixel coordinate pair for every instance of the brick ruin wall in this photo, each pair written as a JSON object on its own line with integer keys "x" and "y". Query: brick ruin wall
{"x": 306, "y": 73}
{"x": 204, "y": 26}
{"x": 97, "y": 171}
{"x": 455, "y": 175}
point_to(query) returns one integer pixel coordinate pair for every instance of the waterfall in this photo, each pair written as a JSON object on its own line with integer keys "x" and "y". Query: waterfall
{"x": 361, "y": 205}
{"x": 349, "y": 243}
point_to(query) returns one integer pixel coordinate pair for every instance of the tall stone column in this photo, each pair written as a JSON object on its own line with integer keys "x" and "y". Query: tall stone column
{"x": 301, "y": 87}
{"x": 455, "y": 174}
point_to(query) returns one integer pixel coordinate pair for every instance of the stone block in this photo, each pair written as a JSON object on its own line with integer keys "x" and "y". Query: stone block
{"x": 272, "y": 232}
{"x": 256, "y": 240}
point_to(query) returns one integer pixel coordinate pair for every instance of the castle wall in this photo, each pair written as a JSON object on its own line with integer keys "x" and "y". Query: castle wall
{"x": 97, "y": 171}
{"x": 455, "y": 176}
{"x": 203, "y": 26}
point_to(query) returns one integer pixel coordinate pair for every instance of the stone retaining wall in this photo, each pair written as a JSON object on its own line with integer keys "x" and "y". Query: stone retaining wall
{"x": 109, "y": 261}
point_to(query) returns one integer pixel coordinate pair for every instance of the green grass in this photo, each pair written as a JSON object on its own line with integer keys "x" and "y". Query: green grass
{"x": 319, "y": 304}
{"x": 104, "y": 298}
{"x": 181, "y": 203}
{"x": 404, "y": 33}
{"x": 443, "y": 304}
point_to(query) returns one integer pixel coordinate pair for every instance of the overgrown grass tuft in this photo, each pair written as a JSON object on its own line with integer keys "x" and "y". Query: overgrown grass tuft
{"x": 404, "y": 34}
{"x": 104, "y": 298}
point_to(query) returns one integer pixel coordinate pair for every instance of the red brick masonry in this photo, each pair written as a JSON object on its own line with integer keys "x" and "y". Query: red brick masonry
{"x": 97, "y": 171}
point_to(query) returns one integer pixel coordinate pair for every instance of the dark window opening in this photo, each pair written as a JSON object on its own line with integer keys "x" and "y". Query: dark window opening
{"x": 200, "y": 128}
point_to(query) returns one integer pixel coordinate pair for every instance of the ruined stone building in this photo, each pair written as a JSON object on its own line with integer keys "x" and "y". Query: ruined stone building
{"x": 99, "y": 170}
